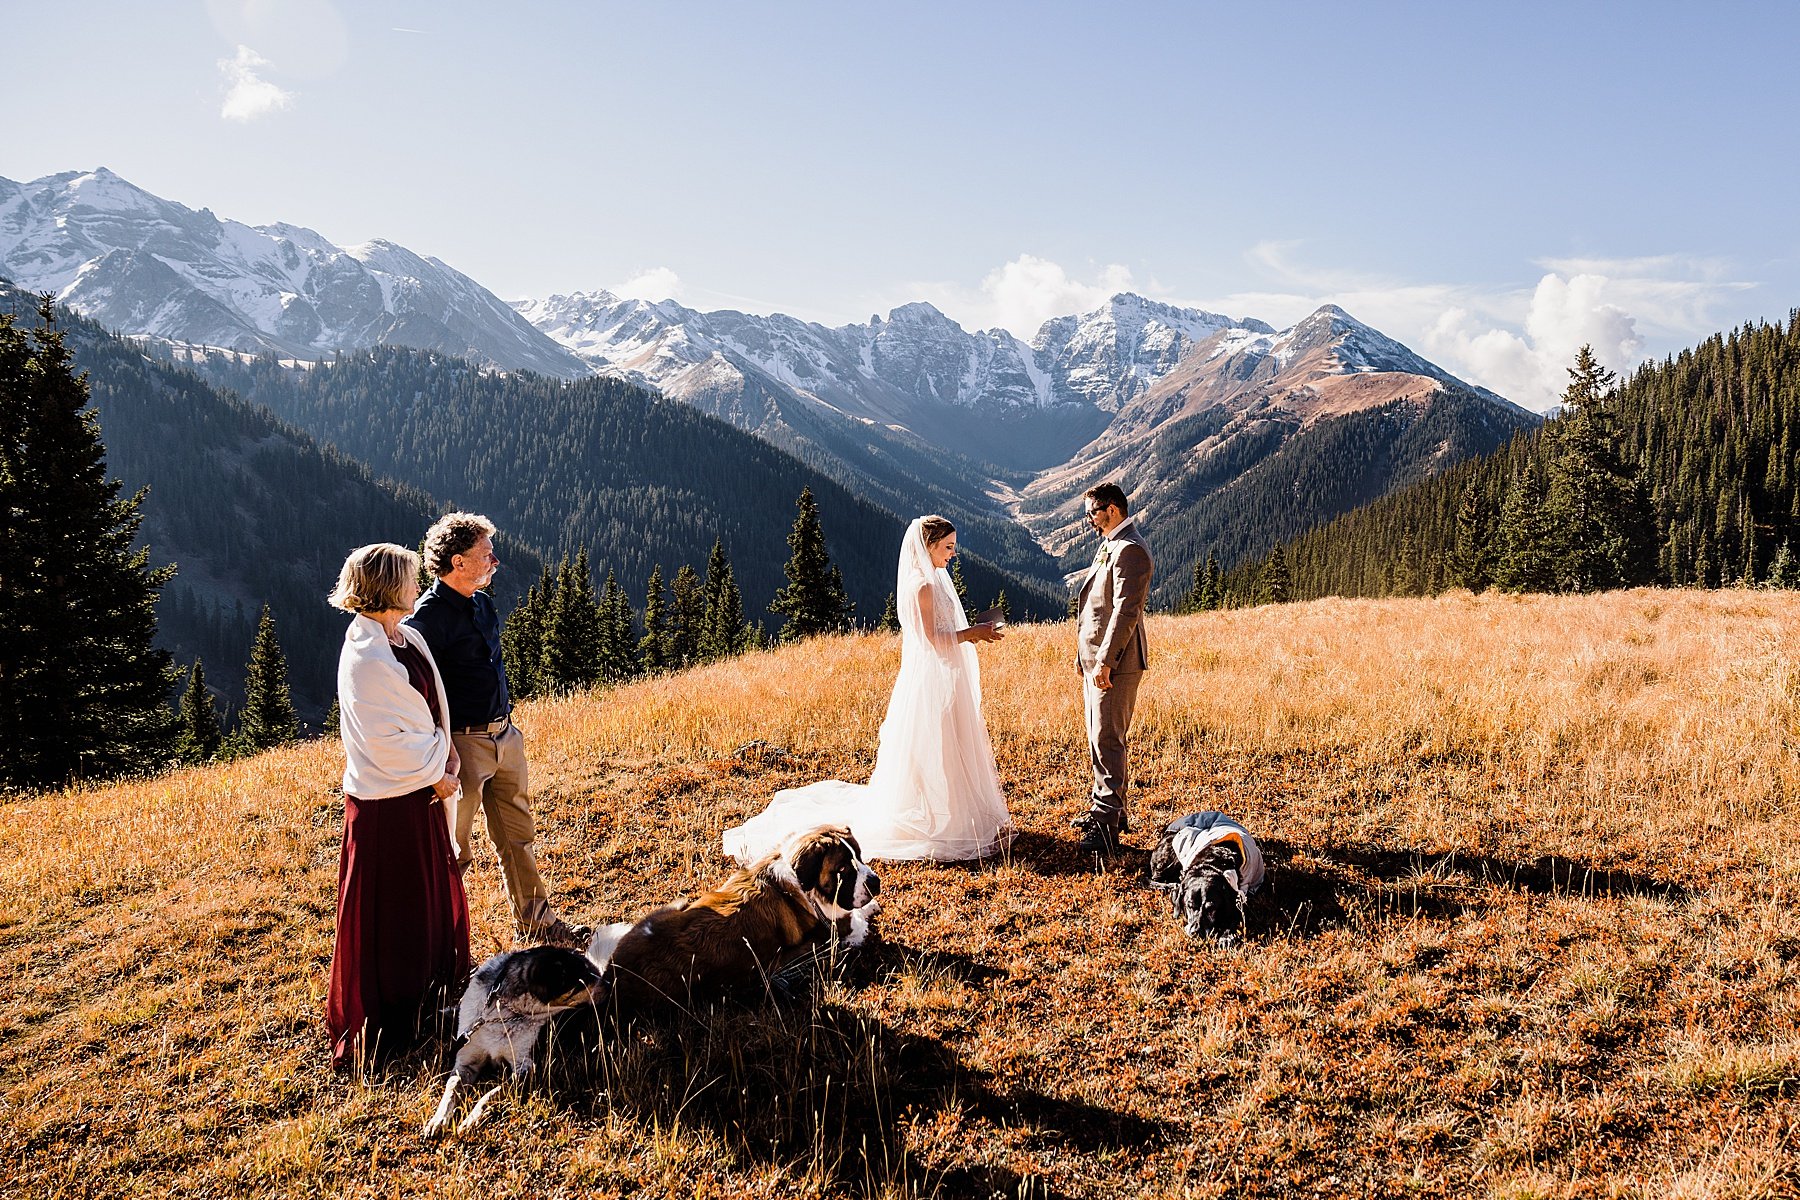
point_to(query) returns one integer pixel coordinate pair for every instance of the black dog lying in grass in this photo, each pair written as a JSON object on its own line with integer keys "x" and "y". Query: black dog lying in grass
{"x": 1212, "y": 864}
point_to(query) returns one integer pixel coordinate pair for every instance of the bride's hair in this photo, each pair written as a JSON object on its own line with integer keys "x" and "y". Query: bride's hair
{"x": 935, "y": 529}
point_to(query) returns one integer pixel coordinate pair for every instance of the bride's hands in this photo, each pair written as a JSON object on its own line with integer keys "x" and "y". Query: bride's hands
{"x": 979, "y": 633}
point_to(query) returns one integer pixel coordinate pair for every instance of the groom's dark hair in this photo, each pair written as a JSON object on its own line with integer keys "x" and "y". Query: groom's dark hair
{"x": 1109, "y": 493}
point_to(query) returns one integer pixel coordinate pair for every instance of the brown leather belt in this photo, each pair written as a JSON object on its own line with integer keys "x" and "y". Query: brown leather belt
{"x": 491, "y": 727}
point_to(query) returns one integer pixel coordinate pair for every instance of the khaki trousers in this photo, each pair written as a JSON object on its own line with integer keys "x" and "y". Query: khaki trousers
{"x": 494, "y": 779}
{"x": 1108, "y": 727}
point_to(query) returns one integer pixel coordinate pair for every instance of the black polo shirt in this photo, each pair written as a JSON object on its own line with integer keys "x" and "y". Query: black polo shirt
{"x": 464, "y": 635}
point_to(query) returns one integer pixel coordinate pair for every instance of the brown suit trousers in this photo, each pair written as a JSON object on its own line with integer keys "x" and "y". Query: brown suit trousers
{"x": 1109, "y": 630}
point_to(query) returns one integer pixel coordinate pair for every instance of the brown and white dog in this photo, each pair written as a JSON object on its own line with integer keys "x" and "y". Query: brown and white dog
{"x": 744, "y": 930}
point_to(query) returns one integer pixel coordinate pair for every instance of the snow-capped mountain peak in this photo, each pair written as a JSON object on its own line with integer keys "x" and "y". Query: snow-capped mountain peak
{"x": 149, "y": 266}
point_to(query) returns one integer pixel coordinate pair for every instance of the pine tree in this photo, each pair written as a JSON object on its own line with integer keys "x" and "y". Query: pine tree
{"x": 1471, "y": 562}
{"x": 83, "y": 689}
{"x": 522, "y": 637}
{"x": 1274, "y": 584}
{"x": 617, "y": 653}
{"x": 724, "y": 634}
{"x": 1784, "y": 572}
{"x": 687, "y": 618}
{"x": 1196, "y": 589}
{"x": 267, "y": 718}
{"x": 1601, "y": 528}
{"x": 573, "y": 641}
{"x": 1004, "y": 605}
{"x": 1525, "y": 561}
{"x": 200, "y": 733}
{"x": 890, "y": 616}
{"x": 333, "y": 718}
{"x": 959, "y": 583}
{"x": 813, "y": 600}
{"x": 653, "y": 647}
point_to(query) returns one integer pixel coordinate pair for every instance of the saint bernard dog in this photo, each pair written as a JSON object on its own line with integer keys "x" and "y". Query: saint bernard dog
{"x": 740, "y": 933}
{"x": 1212, "y": 865}
{"x": 509, "y": 1001}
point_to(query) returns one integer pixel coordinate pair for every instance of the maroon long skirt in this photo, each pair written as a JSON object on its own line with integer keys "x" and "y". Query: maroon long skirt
{"x": 402, "y": 949}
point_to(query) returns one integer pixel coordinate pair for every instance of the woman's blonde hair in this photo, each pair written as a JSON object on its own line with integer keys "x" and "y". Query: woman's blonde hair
{"x": 374, "y": 578}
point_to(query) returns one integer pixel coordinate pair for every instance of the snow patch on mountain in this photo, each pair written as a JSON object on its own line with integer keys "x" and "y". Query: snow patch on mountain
{"x": 151, "y": 267}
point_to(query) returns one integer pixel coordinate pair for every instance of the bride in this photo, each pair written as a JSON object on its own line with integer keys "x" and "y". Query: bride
{"x": 935, "y": 793}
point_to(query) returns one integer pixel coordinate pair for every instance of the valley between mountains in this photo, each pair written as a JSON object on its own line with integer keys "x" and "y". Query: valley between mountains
{"x": 1229, "y": 435}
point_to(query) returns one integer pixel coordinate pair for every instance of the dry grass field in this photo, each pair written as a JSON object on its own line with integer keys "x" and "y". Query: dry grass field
{"x": 1530, "y": 930}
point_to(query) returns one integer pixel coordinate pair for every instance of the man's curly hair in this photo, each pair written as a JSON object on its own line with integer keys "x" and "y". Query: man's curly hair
{"x": 454, "y": 533}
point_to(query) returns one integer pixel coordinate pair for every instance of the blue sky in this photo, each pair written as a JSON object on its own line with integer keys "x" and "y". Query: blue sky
{"x": 1491, "y": 184}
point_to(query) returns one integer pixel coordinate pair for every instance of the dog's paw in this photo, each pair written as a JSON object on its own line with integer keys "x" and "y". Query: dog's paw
{"x": 860, "y": 927}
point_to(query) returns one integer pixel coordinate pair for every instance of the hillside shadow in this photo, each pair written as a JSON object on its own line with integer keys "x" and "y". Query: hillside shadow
{"x": 1310, "y": 887}
{"x": 820, "y": 1089}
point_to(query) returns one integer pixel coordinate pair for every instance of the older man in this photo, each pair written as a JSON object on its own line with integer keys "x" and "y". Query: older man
{"x": 1111, "y": 654}
{"x": 460, "y": 625}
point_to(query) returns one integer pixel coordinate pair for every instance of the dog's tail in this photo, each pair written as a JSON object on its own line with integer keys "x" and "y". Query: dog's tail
{"x": 605, "y": 941}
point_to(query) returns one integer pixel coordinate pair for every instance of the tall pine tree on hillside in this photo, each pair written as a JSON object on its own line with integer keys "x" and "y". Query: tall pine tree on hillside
{"x": 1525, "y": 558}
{"x": 687, "y": 617}
{"x": 573, "y": 639}
{"x": 813, "y": 600}
{"x": 653, "y": 647}
{"x": 200, "y": 734}
{"x": 1600, "y": 528}
{"x": 618, "y": 653}
{"x": 83, "y": 690}
{"x": 1274, "y": 585}
{"x": 267, "y": 718}
{"x": 1471, "y": 559}
{"x": 522, "y": 638}
{"x": 723, "y": 631}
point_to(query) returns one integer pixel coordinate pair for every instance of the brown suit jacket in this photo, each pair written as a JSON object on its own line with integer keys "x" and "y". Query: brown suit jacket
{"x": 1109, "y": 626}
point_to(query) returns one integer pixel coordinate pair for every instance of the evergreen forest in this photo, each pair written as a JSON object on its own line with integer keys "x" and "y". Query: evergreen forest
{"x": 1682, "y": 474}
{"x": 249, "y": 510}
{"x": 598, "y": 464}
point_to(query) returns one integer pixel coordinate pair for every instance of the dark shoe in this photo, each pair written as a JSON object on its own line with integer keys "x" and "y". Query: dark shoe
{"x": 560, "y": 933}
{"x": 1096, "y": 836}
{"x": 1081, "y": 822}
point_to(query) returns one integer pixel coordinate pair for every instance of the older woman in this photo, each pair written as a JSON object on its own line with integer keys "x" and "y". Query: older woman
{"x": 402, "y": 919}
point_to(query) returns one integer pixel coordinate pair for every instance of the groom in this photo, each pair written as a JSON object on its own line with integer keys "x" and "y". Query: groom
{"x": 1111, "y": 654}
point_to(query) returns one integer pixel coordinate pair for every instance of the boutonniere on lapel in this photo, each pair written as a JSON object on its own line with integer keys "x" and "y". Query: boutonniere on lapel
{"x": 1103, "y": 555}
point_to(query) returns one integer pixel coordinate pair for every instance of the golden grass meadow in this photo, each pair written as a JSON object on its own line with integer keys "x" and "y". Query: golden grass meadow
{"x": 1530, "y": 929}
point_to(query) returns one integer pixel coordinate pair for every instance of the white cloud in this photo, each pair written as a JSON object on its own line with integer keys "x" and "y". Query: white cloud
{"x": 1028, "y": 291}
{"x": 1518, "y": 342}
{"x": 248, "y": 95}
{"x": 656, "y": 283}
{"x": 1021, "y": 295}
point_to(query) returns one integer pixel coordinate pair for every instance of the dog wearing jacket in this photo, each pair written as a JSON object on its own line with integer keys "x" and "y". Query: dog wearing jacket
{"x": 1212, "y": 865}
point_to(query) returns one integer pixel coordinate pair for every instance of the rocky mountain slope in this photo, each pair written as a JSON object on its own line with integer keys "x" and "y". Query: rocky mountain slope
{"x": 1225, "y": 427}
{"x": 147, "y": 266}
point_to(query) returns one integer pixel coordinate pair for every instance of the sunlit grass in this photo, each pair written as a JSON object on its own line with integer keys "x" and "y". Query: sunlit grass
{"x": 1530, "y": 929}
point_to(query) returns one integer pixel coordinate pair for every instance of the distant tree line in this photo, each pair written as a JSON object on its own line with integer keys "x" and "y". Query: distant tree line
{"x": 85, "y": 692}
{"x": 1682, "y": 475}
{"x": 598, "y": 463}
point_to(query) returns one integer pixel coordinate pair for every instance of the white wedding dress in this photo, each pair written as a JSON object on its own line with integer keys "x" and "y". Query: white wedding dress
{"x": 935, "y": 793}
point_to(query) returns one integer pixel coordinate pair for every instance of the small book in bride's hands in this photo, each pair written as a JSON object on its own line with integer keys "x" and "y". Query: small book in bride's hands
{"x": 992, "y": 616}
